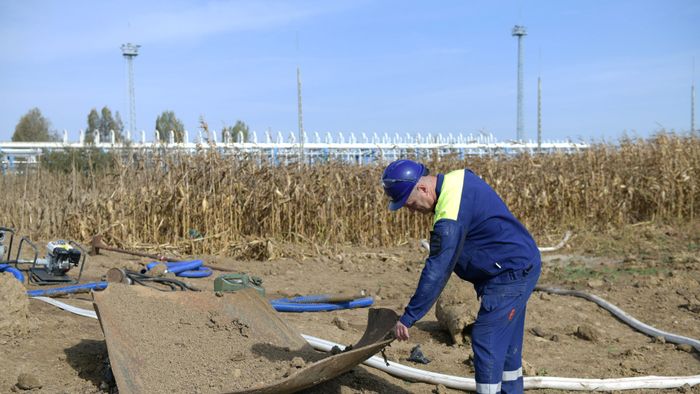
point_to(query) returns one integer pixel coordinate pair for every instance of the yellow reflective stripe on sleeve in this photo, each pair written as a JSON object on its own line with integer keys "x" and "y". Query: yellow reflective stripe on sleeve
{"x": 447, "y": 206}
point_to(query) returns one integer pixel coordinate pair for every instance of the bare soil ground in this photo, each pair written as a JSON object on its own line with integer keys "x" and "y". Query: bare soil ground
{"x": 651, "y": 272}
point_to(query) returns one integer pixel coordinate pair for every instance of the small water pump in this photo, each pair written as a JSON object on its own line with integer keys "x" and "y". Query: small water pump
{"x": 61, "y": 256}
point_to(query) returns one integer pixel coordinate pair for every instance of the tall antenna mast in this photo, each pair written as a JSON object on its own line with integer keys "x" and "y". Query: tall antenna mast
{"x": 519, "y": 31}
{"x": 130, "y": 51}
{"x": 539, "y": 114}
{"x": 539, "y": 103}
{"x": 299, "y": 111}
{"x": 301, "y": 122}
{"x": 692, "y": 100}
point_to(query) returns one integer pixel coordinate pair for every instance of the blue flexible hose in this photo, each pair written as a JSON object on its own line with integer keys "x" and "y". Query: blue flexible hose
{"x": 14, "y": 271}
{"x": 283, "y": 305}
{"x": 178, "y": 266}
{"x": 184, "y": 269}
{"x": 67, "y": 289}
{"x": 309, "y": 299}
{"x": 201, "y": 272}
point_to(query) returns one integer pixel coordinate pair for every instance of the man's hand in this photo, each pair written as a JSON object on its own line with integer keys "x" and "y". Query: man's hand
{"x": 401, "y": 331}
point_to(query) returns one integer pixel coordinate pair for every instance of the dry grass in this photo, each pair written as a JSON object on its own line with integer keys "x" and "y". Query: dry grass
{"x": 158, "y": 200}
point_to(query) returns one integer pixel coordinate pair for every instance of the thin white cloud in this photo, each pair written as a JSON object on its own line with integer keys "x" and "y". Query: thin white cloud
{"x": 71, "y": 29}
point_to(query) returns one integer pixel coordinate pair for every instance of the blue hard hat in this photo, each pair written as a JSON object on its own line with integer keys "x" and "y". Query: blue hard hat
{"x": 399, "y": 179}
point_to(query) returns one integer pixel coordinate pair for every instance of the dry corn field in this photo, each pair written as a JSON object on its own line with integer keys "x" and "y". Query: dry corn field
{"x": 208, "y": 203}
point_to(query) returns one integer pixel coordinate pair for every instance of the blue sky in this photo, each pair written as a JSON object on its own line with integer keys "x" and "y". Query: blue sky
{"x": 367, "y": 66}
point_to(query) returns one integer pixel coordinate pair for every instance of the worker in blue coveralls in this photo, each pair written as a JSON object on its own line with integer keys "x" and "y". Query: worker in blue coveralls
{"x": 475, "y": 236}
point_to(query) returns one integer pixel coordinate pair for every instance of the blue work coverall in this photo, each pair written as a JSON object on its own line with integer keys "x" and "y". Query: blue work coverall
{"x": 476, "y": 237}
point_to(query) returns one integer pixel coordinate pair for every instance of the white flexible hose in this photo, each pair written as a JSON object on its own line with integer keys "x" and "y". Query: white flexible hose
{"x": 66, "y": 307}
{"x": 402, "y": 371}
{"x": 530, "y": 382}
{"x": 624, "y": 316}
{"x": 558, "y": 246}
{"x": 462, "y": 383}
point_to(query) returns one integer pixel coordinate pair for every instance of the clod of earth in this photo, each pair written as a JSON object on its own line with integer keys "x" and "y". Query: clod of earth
{"x": 456, "y": 308}
{"x": 587, "y": 333}
{"x": 537, "y": 331}
{"x": 341, "y": 323}
{"x": 528, "y": 369}
{"x": 695, "y": 308}
{"x": 297, "y": 362}
{"x": 595, "y": 283}
{"x": 27, "y": 381}
{"x": 440, "y": 389}
{"x": 545, "y": 296}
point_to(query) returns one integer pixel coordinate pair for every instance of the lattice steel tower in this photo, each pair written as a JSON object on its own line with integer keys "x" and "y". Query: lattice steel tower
{"x": 519, "y": 31}
{"x": 130, "y": 51}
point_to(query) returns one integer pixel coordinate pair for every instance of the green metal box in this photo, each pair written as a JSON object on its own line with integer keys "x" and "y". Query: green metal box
{"x": 235, "y": 282}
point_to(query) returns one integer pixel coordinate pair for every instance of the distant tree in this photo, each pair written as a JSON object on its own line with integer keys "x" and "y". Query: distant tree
{"x": 34, "y": 127}
{"x": 167, "y": 122}
{"x": 94, "y": 122}
{"x": 109, "y": 124}
{"x": 233, "y": 132}
{"x": 85, "y": 160}
{"x": 119, "y": 126}
{"x": 104, "y": 123}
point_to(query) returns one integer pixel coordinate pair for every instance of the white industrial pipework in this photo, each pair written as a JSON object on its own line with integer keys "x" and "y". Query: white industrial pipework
{"x": 344, "y": 147}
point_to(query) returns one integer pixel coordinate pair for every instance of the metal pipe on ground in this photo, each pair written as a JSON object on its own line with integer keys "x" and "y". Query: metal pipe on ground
{"x": 324, "y": 298}
{"x": 97, "y": 244}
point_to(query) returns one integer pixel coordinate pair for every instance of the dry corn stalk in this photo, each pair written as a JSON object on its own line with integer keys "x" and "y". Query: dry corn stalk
{"x": 209, "y": 203}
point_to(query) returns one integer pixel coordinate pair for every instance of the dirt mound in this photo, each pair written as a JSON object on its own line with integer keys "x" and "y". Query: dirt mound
{"x": 14, "y": 307}
{"x": 456, "y": 308}
{"x": 201, "y": 349}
